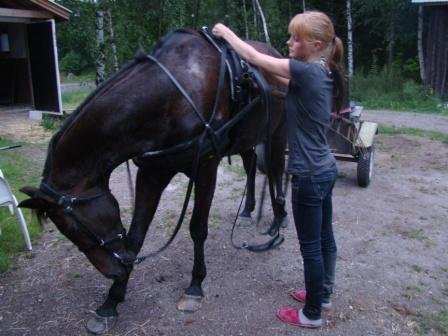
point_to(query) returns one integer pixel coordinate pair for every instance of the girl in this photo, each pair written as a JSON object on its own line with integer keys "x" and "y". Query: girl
{"x": 316, "y": 87}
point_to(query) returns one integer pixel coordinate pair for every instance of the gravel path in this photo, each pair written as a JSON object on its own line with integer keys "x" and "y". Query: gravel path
{"x": 391, "y": 278}
{"x": 392, "y": 271}
{"x": 425, "y": 121}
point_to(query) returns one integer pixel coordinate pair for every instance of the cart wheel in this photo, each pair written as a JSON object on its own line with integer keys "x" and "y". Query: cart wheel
{"x": 365, "y": 167}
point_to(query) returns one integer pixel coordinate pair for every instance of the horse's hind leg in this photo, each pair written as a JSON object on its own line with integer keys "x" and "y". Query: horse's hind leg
{"x": 249, "y": 162}
{"x": 149, "y": 187}
{"x": 204, "y": 189}
{"x": 277, "y": 169}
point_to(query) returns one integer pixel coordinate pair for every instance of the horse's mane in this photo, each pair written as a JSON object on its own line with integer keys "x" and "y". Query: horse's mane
{"x": 70, "y": 120}
{"x": 139, "y": 57}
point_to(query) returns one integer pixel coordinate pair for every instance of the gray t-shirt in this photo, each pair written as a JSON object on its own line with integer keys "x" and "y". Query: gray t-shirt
{"x": 308, "y": 109}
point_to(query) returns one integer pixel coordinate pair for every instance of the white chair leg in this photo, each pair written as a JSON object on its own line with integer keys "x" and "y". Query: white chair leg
{"x": 22, "y": 223}
{"x": 10, "y": 207}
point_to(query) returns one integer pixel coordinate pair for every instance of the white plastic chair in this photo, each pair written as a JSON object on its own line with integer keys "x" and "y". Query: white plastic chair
{"x": 7, "y": 199}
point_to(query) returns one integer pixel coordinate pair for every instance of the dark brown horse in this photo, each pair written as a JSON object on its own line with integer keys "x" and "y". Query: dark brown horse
{"x": 140, "y": 110}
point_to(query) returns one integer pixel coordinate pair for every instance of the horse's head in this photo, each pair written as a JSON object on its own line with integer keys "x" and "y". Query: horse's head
{"x": 91, "y": 221}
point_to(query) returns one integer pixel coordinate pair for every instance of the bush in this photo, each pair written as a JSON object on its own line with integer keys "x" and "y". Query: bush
{"x": 73, "y": 62}
{"x": 389, "y": 88}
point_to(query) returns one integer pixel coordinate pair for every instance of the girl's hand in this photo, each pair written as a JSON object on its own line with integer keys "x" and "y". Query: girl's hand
{"x": 220, "y": 30}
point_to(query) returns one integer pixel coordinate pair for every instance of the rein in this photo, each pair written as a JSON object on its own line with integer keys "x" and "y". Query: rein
{"x": 214, "y": 137}
{"x": 208, "y": 131}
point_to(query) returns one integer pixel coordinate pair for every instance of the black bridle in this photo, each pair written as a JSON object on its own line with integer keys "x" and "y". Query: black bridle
{"x": 67, "y": 203}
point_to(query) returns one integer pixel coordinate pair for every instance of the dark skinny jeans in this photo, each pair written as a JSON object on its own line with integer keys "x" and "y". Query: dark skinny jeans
{"x": 312, "y": 210}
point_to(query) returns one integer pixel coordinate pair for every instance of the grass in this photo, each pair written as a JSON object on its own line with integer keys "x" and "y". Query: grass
{"x": 413, "y": 233}
{"x": 71, "y": 99}
{"x": 19, "y": 171}
{"x": 51, "y": 122}
{"x": 433, "y": 135}
{"x": 434, "y": 324}
{"x": 84, "y": 77}
{"x": 389, "y": 89}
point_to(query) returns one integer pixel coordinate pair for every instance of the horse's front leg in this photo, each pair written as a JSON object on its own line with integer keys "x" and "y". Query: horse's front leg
{"x": 249, "y": 163}
{"x": 204, "y": 190}
{"x": 149, "y": 188}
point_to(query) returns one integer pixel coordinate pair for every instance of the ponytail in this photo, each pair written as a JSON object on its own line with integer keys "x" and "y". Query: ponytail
{"x": 336, "y": 64}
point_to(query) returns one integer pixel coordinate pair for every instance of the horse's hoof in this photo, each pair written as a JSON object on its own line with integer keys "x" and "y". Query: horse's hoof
{"x": 244, "y": 221}
{"x": 245, "y": 214}
{"x": 189, "y": 303}
{"x": 99, "y": 325}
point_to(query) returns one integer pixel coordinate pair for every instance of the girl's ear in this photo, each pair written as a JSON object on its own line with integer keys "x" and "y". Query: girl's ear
{"x": 318, "y": 45}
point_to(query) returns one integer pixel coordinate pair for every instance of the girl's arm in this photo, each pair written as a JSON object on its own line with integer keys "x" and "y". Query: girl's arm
{"x": 276, "y": 66}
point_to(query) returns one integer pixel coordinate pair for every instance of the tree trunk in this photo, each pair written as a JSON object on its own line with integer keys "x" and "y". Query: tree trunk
{"x": 421, "y": 59}
{"x": 436, "y": 55}
{"x": 101, "y": 56}
{"x": 196, "y": 13}
{"x": 304, "y": 5}
{"x": 246, "y": 27}
{"x": 263, "y": 21}
{"x": 226, "y": 13}
{"x": 349, "y": 39}
{"x": 391, "y": 44}
{"x": 254, "y": 6}
{"x": 161, "y": 17}
{"x": 113, "y": 45}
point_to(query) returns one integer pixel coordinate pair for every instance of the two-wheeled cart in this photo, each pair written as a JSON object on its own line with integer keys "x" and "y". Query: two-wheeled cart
{"x": 353, "y": 139}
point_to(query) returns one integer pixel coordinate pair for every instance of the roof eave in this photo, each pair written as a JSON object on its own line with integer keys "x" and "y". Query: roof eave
{"x": 60, "y": 12}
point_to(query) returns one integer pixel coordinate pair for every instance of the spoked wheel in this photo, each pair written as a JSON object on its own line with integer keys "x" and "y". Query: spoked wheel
{"x": 365, "y": 167}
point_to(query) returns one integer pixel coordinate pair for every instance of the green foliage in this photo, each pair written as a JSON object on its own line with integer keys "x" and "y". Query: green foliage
{"x": 433, "y": 135}
{"x": 434, "y": 324}
{"x": 78, "y": 34}
{"x": 51, "y": 122}
{"x": 19, "y": 171}
{"x": 87, "y": 76}
{"x": 388, "y": 88}
{"x": 383, "y": 31}
{"x": 73, "y": 63}
{"x": 71, "y": 99}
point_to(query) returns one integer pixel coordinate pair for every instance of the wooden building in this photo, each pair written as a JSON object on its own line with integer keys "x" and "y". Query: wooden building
{"x": 435, "y": 45}
{"x": 29, "y": 72}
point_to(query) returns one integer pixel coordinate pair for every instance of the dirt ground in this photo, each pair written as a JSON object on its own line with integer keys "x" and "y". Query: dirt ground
{"x": 392, "y": 271}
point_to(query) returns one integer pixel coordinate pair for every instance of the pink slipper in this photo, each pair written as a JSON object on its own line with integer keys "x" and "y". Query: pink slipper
{"x": 297, "y": 318}
{"x": 300, "y": 295}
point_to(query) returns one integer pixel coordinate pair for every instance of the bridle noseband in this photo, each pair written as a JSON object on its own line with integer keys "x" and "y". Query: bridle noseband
{"x": 67, "y": 202}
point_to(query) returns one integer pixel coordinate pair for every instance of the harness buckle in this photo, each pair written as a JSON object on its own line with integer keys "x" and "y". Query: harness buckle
{"x": 62, "y": 200}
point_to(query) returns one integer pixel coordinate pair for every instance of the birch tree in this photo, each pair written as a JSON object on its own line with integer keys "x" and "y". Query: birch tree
{"x": 349, "y": 38}
{"x": 421, "y": 59}
{"x": 263, "y": 21}
{"x": 246, "y": 26}
{"x": 101, "y": 55}
{"x": 112, "y": 43}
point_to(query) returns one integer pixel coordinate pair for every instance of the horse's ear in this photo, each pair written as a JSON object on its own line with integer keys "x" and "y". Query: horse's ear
{"x": 30, "y": 191}
{"x": 37, "y": 201}
{"x": 140, "y": 55}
